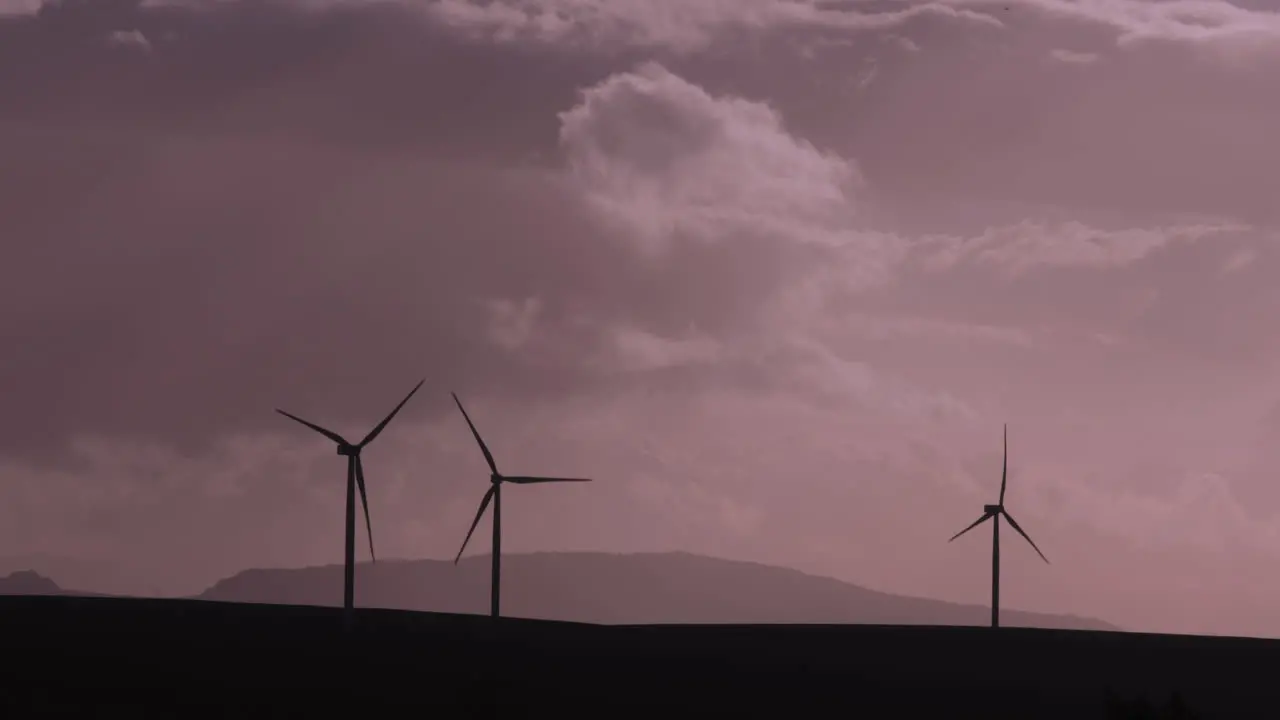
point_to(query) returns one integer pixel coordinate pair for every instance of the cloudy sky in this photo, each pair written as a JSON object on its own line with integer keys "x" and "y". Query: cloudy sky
{"x": 775, "y": 272}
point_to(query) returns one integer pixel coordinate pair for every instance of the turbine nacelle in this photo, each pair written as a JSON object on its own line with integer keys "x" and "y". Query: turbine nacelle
{"x": 495, "y": 479}
{"x": 992, "y": 509}
{"x": 349, "y": 450}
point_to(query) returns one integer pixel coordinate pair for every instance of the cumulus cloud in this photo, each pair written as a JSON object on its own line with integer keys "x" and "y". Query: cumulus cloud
{"x": 1072, "y": 57}
{"x": 1239, "y": 260}
{"x": 907, "y": 43}
{"x": 512, "y": 323}
{"x": 1192, "y": 21}
{"x": 680, "y": 25}
{"x": 1015, "y": 249}
{"x": 1185, "y": 509}
{"x": 665, "y": 158}
{"x": 868, "y": 74}
{"x": 129, "y": 39}
{"x": 690, "y": 25}
{"x": 879, "y": 327}
{"x": 825, "y": 372}
{"x": 19, "y": 7}
{"x": 634, "y": 349}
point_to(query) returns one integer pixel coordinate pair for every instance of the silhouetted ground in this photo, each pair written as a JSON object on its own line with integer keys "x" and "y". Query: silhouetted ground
{"x": 83, "y": 657}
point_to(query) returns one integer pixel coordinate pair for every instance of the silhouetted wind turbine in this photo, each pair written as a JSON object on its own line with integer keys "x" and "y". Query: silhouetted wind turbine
{"x": 494, "y": 495}
{"x": 995, "y": 511}
{"x": 355, "y": 478}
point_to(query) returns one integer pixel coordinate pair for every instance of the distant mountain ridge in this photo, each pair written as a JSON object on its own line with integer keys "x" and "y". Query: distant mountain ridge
{"x": 618, "y": 589}
{"x": 28, "y": 582}
{"x": 101, "y": 575}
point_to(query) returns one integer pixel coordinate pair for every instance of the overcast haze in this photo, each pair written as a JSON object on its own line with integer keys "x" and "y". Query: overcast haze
{"x": 774, "y": 272}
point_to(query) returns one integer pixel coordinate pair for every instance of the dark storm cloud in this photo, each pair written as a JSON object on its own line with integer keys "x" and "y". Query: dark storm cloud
{"x": 270, "y": 210}
{"x": 314, "y": 207}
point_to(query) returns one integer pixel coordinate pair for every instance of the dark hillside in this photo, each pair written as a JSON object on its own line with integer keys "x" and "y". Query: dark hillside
{"x": 179, "y": 658}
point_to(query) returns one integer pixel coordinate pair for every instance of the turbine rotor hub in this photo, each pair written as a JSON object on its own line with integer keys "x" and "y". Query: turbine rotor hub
{"x": 348, "y": 450}
{"x": 992, "y": 509}
{"x": 495, "y": 478}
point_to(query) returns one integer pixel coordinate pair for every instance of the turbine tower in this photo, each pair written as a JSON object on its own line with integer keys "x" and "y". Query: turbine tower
{"x": 355, "y": 478}
{"x": 494, "y": 495}
{"x": 994, "y": 512}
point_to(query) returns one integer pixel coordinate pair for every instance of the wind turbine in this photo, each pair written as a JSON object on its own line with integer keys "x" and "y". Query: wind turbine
{"x": 994, "y": 512}
{"x": 355, "y": 478}
{"x": 494, "y": 495}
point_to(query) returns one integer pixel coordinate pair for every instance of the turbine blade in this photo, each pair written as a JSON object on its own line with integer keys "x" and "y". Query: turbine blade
{"x": 382, "y": 425}
{"x": 327, "y": 433}
{"x": 364, "y": 500}
{"x": 488, "y": 456}
{"x": 1004, "y": 470}
{"x": 484, "y": 505}
{"x": 985, "y": 517}
{"x": 525, "y": 480}
{"x": 1025, "y": 536}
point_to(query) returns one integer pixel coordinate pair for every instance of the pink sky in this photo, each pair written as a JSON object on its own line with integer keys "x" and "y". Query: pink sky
{"x": 774, "y": 272}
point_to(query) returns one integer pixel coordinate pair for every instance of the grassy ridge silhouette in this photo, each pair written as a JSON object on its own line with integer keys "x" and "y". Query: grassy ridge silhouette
{"x": 196, "y": 658}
